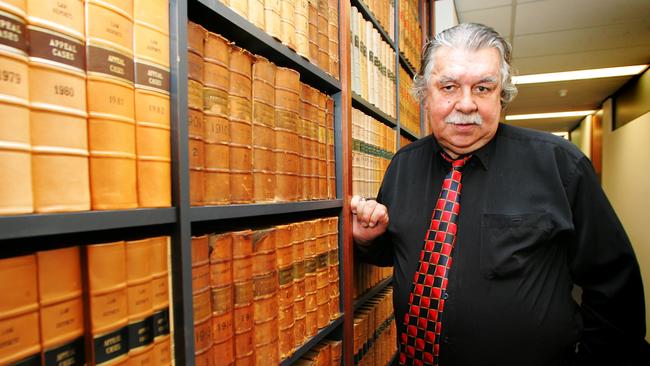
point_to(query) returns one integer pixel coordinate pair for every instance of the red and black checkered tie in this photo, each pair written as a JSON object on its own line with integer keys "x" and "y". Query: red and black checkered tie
{"x": 420, "y": 343}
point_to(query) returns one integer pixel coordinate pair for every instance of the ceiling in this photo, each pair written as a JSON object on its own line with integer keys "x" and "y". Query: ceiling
{"x": 565, "y": 35}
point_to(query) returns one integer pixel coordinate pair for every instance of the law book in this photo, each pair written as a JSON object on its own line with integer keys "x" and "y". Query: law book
{"x": 196, "y": 35}
{"x": 160, "y": 290}
{"x": 336, "y": 349}
{"x": 152, "y": 102}
{"x": 216, "y": 127}
{"x": 239, "y": 6}
{"x": 287, "y": 144}
{"x": 299, "y": 311}
{"x": 139, "y": 283}
{"x": 221, "y": 284}
{"x": 57, "y": 95}
{"x": 264, "y": 165}
{"x": 304, "y": 188}
{"x": 284, "y": 235}
{"x": 15, "y": 144}
{"x": 61, "y": 306}
{"x": 265, "y": 293}
{"x": 240, "y": 116}
{"x": 333, "y": 37}
{"x": 322, "y": 146}
{"x": 287, "y": 23}
{"x": 311, "y": 265}
{"x": 104, "y": 273}
{"x": 331, "y": 156}
{"x": 111, "y": 105}
{"x": 354, "y": 51}
{"x": 363, "y": 56}
{"x": 320, "y": 355}
{"x": 322, "y": 274}
{"x": 323, "y": 35}
{"x": 312, "y": 131}
{"x": 301, "y": 23}
{"x": 19, "y": 311}
{"x": 333, "y": 270}
{"x": 313, "y": 31}
{"x": 272, "y": 22}
{"x": 243, "y": 314}
{"x": 201, "y": 297}
{"x": 256, "y": 13}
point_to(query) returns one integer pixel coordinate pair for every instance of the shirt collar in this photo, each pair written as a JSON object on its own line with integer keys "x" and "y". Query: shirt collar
{"x": 482, "y": 155}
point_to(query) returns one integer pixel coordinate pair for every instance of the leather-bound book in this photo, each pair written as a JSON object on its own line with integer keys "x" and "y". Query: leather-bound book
{"x": 287, "y": 144}
{"x": 111, "y": 108}
{"x": 242, "y": 269}
{"x": 19, "y": 325}
{"x": 105, "y": 273}
{"x": 265, "y": 293}
{"x": 240, "y": 116}
{"x": 333, "y": 37}
{"x": 61, "y": 306}
{"x": 263, "y": 138}
{"x": 240, "y": 7}
{"x": 301, "y": 20}
{"x": 287, "y": 24}
{"x": 322, "y": 273}
{"x": 322, "y": 145}
{"x": 216, "y": 77}
{"x": 311, "y": 265}
{"x": 201, "y": 297}
{"x": 221, "y": 283}
{"x": 313, "y": 31}
{"x": 152, "y": 108}
{"x": 313, "y": 130}
{"x": 331, "y": 157}
{"x": 256, "y": 13}
{"x": 140, "y": 301}
{"x": 299, "y": 310}
{"x": 284, "y": 243}
{"x": 196, "y": 147}
{"x": 15, "y": 145}
{"x": 196, "y": 36}
{"x": 336, "y": 349}
{"x": 333, "y": 260}
{"x": 57, "y": 97}
{"x": 272, "y": 22}
{"x": 323, "y": 35}
{"x": 304, "y": 191}
{"x": 160, "y": 284}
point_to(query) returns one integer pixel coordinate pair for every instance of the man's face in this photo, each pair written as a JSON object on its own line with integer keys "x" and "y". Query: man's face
{"x": 463, "y": 101}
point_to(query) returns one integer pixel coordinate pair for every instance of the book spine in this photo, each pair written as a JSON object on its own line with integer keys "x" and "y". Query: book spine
{"x": 264, "y": 168}
{"x": 216, "y": 76}
{"x": 298, "y": 251}
{"x": 287, "y": 23}
{"x": 333, "y": 261}
{"x": 243, "y": 296}
{"x": 152, "y": 102}
{"x": 265, "y": 294}
{"x": 15, "y": 140}
{"x": 19, "y": 311}
{"x": 111, "y": 108}
{"x": 322, "y": 274}
{"x": 333, "y": 37}
{"x": 322, "y": 146}
{"x": 107, "y": 306}
{"x": 240, "y": 7}
{"x": 221, "y": 282}
{"x": 311, "y": 265}
{"x": 304, "y": 189}
{"x": 313, "y": 31}
{"x": 272, "y": 23}
{"x": 240, "y": 116}
{"x": 301, "y": 19}
{"x": 139, "y": 282}
{"x": 331, "y": 156}
{"x": 256, "y": 13}
{"x": 61, "y": 306}
{"x": 314, "y": 146}
{"x": 201, "y": 297}
{"x": 196, "y": 36}
{"x": 323, "y": 35}
{"x": 57, "y": 95}
{"x": 160, "y": 284}
{"x": 287, "y": 151}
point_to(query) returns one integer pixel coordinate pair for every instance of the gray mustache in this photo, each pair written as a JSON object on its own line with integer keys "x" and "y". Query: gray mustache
{"x": 457, "y": 118}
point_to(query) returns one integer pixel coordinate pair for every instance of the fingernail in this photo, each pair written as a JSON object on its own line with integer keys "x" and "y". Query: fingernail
{"x": 364, "y": 224}
{"x": 372, "y": 224}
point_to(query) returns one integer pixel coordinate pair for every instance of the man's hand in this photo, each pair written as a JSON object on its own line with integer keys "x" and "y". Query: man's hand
{"x": 369, "y": 220}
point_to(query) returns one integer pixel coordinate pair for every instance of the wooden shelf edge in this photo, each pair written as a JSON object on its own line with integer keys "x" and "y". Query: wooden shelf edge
{"x": 211, "y": 213}
{"x": 313, "y": 341}
{"x": 360, "y": 103}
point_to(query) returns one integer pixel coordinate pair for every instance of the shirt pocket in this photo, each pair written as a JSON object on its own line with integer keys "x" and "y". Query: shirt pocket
{"x": 508, "y": 241}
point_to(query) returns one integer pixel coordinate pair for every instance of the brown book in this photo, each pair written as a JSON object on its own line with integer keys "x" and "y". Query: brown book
{"x": 221, "y": 283}
{"x": 323, "y": 35}
{"x": 287, "y": 24}
{"x": 312, "y": 131}
{"x": 196, "y": 154}
{"x": 216, "y": 77}
{"x": 272, "y": 24}
{"x": 322, "y": 146}
{"x": 57, "y": 94}
{"x": 196, "y": 36}
{"x": 140, "y": 301}
{"x": 61, "y": 306}
{"x": 15, "y": 145}
{"x": 313, "y": 31}
{"x": 242, "y": 268}
{"x": 322, "y": 274}
{"x": 336, "y": 349}
{"x": 301, "y": 19}
{"x": 152, "y": 108}
{"x": 240, "y": 7}
{"x": 105, "y": 274}
{"x": 256, "y": 12}
{"x": 201, "y": 295}
{"x": 287, "y": 144}
{"x": 311, "y": 265}
{"x": 19, "y": 315}
{"x": 304, "y": 189}
{"x": 333, "y": 272}
{"x": 265, "y": 296}
{"x": 111, "y": 108}
{"x": 263, "y": 138}
{"x": 299, "y": 310}
{"x": 331, "y": 157}
{"x": 333, "y": 37}
{"x": 160, "y": 284}
{"x": 240, "y": 116}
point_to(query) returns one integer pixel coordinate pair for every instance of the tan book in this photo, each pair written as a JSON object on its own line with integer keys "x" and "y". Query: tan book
{"x": 152, "y": 108}
{"x": 240, "y": 7}
{"x": 298, "y": 245}
{"x": 313, "y": 31}
{"x": 287, "y": 144}
{"x": 221, "y": 282}
{"x": 312, "y": 130}
{"x": 106, "y": 298}
{"x": 303, "y": 178}
{"x": 272, "y": 23}
{"x": 139, "y": 282}
{"x": 331, "y": 156}
{"x": 57, "y": 94}
{"x": 333, "y": 37}
{"x": 15, "y": 145}
{"x": 322, "y": 146}
{"x": 256, "y": 13}
{"x": 287, "y": 23}
{"x": 336, "y": 349}
{"x": 19, "y": 313}
{"x": 201, "y": 295}
{"x": 264, "y": 165}
{"x": 240, "y": 116}
{"x": 243, "y": 296}
{"x": 301, "y": 20}
{"x": 323, "y": 35}
{"x": 160, "y": 284}
{"x": 61, "y": 306}
{"x": 196, "y": 154}
{"x": 265, "y": 294}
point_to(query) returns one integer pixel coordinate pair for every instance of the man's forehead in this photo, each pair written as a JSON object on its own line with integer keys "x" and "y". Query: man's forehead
{"x": 451, "y": 64}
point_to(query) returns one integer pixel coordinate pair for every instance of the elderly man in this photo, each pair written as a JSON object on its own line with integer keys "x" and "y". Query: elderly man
{"x": 487, "y": 279}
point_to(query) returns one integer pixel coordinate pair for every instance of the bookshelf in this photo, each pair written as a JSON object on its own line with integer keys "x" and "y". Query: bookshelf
{"x": 34, "y": 232}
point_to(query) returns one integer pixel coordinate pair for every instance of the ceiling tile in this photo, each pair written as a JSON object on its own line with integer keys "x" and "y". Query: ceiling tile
{"x": 466, "y": 5}
{"x": 497, "y": 18}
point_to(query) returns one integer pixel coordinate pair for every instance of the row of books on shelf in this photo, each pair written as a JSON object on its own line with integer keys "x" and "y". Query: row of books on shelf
{"x": 325, "y": 353}
{"x": 87, "y": 305}
{"x": 375, "y": 340}
{"x": 86, "y": 87}
{"x": 403, "y": 141}
{"x": 384, "y": 14}
{"x": 410, "y": 32}
{"x": 409, "y": 107}
{"x": 260, "y": 294}
{"x": 256, "y": 133}
{"x": 309, "y": 27}
{"x": 373, "y": 145}
{"x": 367, "y": 276}
{"x": 373, "y": 72}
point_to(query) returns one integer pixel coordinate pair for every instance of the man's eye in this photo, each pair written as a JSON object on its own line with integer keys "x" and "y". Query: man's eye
{"x": 482, "y": 89}
{"x": 448, "y": 87}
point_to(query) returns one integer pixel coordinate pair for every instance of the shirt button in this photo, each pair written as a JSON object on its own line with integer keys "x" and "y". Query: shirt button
{"x": 445, "y": 340}
{"x": 445, "y": 295}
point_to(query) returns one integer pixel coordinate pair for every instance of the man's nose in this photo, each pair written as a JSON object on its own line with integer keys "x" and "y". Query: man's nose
{"x": 466, "y": 103}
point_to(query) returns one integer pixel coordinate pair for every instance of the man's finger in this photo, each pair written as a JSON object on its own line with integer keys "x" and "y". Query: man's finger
{"x": 379, "y": 216}
{"x": 354, "y": 203}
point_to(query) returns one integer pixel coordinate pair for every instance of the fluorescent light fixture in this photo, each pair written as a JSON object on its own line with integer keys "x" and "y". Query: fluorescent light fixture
{"x": 579, "y": 74}
{"x": 515, "y": 117}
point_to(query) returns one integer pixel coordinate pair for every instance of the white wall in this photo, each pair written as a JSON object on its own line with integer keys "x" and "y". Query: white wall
{"x": 626, "y": 180}
{"x": 581, "y": 136}
{"x": 445, "y": 15}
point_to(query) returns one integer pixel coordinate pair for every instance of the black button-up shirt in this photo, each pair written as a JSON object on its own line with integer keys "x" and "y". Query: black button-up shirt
{"x": 533, "y": 222}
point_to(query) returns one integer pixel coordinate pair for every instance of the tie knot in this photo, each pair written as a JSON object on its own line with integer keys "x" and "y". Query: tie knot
{"x": 456, "y": 163}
